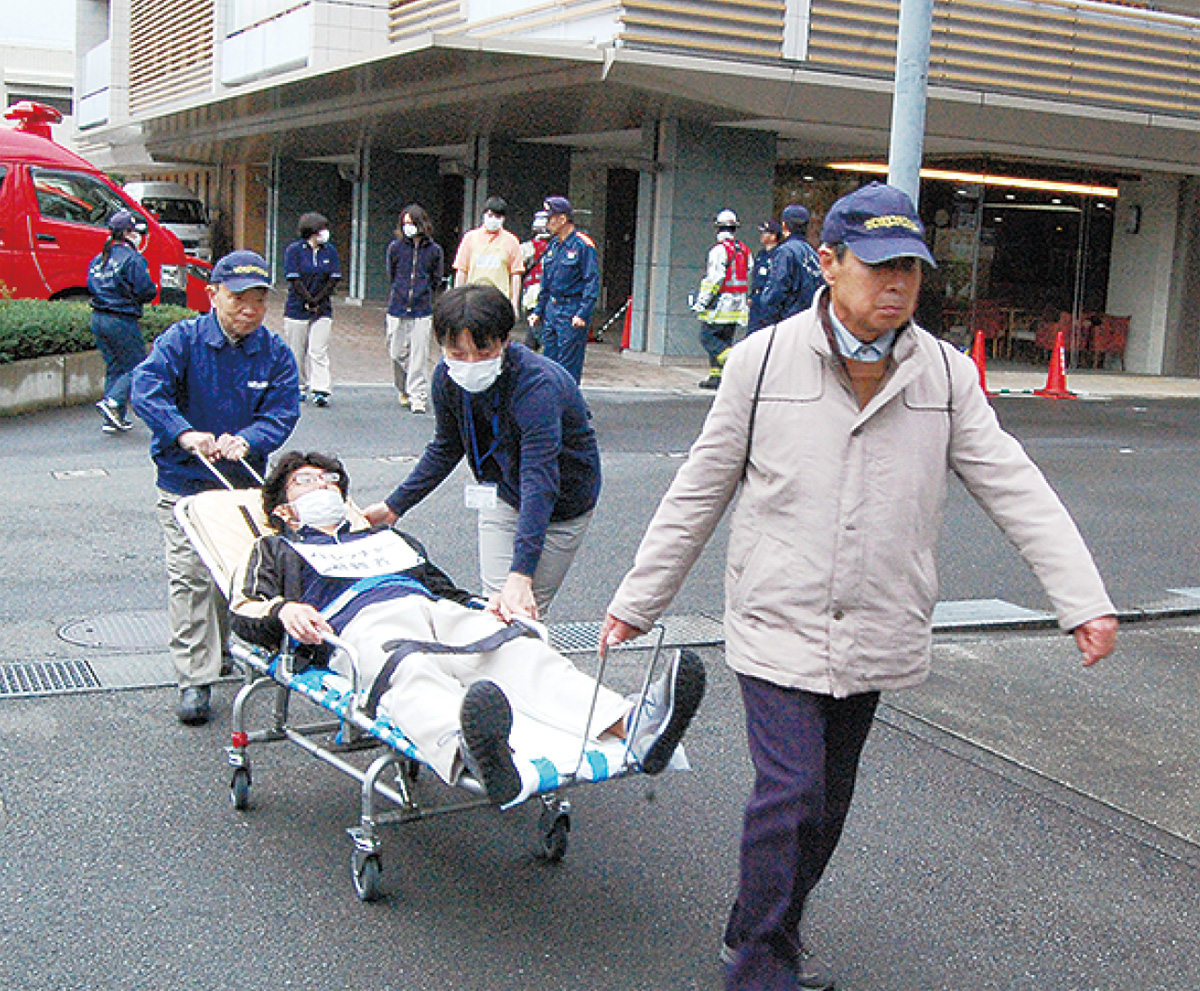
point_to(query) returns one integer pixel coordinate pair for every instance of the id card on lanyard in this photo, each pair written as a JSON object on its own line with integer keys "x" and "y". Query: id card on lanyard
{"x": 481, "y": 495}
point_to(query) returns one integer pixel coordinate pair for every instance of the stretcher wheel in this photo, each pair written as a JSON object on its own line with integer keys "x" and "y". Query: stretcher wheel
{"x": 368, "y": 876}
{"x": 239, "y": 789}
{"x": 556, "y": 838}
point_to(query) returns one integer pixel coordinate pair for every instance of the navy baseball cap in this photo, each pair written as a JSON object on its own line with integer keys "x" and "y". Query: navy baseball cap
{"x": 241, "y": 270}
{"x": 794, "y": 216}
{"x": 558, "y": 204}
{"x": 877, "y": 223}
{"x": 771, "y": 227}
{"x": 124, "y": 221}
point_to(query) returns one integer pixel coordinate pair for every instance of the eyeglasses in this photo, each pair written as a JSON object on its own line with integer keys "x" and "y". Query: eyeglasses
{"x": 312, "y": 479}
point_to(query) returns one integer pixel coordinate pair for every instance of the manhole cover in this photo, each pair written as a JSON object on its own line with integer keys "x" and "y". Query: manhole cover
{"x": 120, "y": 631}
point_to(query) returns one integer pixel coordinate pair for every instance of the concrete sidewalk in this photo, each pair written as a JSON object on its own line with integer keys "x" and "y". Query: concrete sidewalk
{"x": 359, "y": 356}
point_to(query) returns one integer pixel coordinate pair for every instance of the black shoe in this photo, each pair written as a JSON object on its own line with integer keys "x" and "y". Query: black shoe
{"x": 195, "y": 705}
{"x": 712, "y": 382}
{"x": 668, "y": 708}
{"x": 321, "y": 399}
{"x": 486, "y": 720}
{"x": 810, "y": 976}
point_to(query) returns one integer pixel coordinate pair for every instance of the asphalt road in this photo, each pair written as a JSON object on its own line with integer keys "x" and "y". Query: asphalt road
{"x": 1020, "y": 824}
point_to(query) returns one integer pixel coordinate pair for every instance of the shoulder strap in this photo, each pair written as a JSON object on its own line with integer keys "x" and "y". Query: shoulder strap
{"x": 762, "y": 374}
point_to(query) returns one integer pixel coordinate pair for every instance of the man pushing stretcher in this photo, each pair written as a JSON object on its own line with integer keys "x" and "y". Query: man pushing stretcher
{"x": 452, "y": 678}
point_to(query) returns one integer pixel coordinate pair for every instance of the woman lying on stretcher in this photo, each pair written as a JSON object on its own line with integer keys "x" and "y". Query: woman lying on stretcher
{"x": 327, "y": 572}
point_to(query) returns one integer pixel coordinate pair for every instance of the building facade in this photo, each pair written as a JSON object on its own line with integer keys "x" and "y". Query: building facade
{"x": 1061, "y": 139}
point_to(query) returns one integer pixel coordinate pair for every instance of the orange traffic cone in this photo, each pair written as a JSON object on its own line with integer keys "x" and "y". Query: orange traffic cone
{"x": 625, "y": 331}
{"x": 979, "y": 356}
{"x": 1056, "y": 382}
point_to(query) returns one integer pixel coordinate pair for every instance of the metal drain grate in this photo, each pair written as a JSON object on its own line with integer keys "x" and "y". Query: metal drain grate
{"x": 46, "y": 678}
{"x": 681, "y": 631}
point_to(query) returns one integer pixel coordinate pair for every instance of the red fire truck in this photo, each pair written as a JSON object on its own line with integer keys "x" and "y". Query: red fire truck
{"x": 54, "y": 210}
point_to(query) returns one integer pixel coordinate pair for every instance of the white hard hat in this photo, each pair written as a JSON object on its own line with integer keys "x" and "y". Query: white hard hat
{"x": 727, "y": 218}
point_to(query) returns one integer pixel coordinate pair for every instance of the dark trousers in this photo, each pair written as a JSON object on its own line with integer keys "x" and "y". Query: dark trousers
{"x": 561, "y": 340}
{"x": 119, "y": 339}
{"x": 805, "y": 749}
{"x": 716, "y": 338}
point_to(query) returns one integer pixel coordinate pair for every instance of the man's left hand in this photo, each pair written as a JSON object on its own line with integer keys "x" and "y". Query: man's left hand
{"x": 515, "y": 599}
{"x": 578, "y": 322}
{"x": 1096, "y": 638}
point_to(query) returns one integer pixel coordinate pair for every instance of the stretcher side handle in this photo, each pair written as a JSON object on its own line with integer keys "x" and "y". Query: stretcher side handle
{"x": 220, "y": 475}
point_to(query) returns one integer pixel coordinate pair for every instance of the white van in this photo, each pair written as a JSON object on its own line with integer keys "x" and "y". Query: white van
{"x": 180, "y": 211}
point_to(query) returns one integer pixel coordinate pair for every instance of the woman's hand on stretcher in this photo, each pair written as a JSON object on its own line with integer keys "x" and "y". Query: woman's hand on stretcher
{"x": 378, "y": 512}
{"x": 304, "y": 623}
{"x": 515, "y": 599}
{"x": 615, "y": 631}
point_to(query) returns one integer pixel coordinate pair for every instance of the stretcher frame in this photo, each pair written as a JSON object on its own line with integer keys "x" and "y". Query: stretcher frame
{"x": 355, "y": 731}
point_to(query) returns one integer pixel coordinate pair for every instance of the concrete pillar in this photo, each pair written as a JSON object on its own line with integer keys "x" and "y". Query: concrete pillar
{"x": 1152, "y": 245}
{"x": 696, "y": 170}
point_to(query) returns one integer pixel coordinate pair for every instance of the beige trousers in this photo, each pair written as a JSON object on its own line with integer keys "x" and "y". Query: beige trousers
{"x": 196, "y": 610}
{"x": 309, "y": 341}
{"x": 410, "y": 346}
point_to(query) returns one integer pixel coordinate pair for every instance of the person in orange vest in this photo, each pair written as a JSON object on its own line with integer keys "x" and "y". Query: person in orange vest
{"x": 722, "y": 302}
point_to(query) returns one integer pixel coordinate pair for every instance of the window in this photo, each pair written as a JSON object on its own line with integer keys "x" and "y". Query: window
{"x": 172, "y": 211}
{"x": 75, "y": 197}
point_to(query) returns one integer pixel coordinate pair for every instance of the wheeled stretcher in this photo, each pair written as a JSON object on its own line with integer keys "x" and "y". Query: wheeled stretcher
{"x": 222, "y": 526}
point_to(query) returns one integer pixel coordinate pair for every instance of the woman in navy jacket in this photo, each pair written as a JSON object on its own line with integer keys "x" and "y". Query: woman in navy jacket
{"x": 313, "y": 270}
{"x": 523, "y": 427}
{"x": 119, "y": 282}
{"x": 414, "y": 264}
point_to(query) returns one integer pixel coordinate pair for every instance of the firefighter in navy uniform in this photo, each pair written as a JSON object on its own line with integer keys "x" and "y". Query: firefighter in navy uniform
{"x": 722, "y": 301}
{"x": 570, "y": 288}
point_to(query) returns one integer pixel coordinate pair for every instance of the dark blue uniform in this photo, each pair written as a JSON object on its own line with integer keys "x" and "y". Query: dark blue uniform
{"x": 197, "y": 379}
{"x": 312, "y": 274}
{"x": 570, "y": 288}
{"x": 795, "y": 279}
{"x": 760, "y": 275}
{"x": 120, "y": 284}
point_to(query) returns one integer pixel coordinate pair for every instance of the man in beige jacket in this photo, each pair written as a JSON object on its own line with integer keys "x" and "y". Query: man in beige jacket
{"x": 836, "y": 430}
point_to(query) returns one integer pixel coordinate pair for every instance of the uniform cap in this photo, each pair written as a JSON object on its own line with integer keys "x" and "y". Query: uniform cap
{"x": 558, "y": 205}
{"x": 771, "y": 227}
{"x": 124, "y": 221}
{"x": 241, "y": 270}
{"x": 877, "y": 223}
{"x": 794, "y": 216}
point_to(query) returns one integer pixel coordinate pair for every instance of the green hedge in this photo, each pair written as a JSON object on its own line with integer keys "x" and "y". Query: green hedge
{"x": 35, "y": 328}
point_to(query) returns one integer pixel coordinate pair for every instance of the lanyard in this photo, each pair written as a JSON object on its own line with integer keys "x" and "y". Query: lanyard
{"x": 477, "y": 467}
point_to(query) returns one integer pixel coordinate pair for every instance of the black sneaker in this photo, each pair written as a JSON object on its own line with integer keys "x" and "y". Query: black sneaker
{"x": 112, "y": 416}
{"x": 195, "y": 705}
{"x": 668, "y": 708}
{"x": 321, "y": 399}
{"x": 712, "y": 382}
{"x": 486, "y": 719}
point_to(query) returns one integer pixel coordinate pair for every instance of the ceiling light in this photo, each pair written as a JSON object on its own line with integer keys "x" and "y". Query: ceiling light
{"x": 985, "y": 179}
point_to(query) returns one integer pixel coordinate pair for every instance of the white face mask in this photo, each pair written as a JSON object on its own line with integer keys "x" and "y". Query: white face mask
{"x": 410, "y": 231}
{"x": 320, "y": 508}
{"x": 475, "y": 376}
{"x": 322, "y": 237}
{"x": 492, "y": 223}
